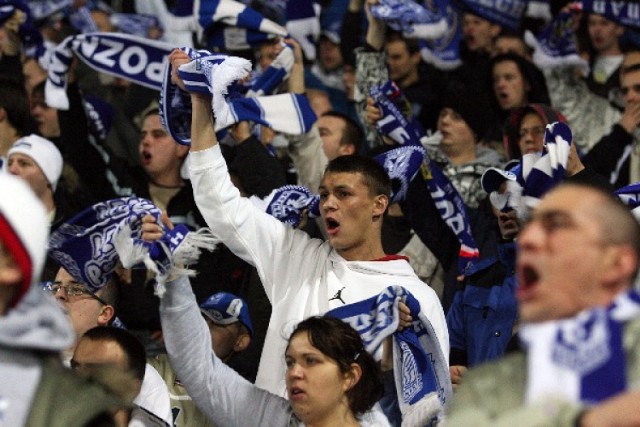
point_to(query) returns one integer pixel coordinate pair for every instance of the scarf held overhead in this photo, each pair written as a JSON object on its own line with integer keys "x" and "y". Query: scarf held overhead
{"x": 132, "y": 58}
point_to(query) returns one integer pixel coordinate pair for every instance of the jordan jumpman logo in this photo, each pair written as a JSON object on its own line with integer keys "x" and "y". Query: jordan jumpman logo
{"x": 338, "y": 296}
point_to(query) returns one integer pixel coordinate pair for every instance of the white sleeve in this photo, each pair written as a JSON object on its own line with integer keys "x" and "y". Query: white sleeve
{"x": 217, "y": 390}
{"x": 250, "y": 233}
{"x": 154, "y": 395}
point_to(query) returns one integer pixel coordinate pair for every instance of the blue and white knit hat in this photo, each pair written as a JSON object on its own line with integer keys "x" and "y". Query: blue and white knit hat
{"x": 224, "y": 308}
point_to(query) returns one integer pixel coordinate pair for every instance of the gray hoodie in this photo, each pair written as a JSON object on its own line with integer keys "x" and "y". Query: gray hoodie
{"x": 36, "y": 325}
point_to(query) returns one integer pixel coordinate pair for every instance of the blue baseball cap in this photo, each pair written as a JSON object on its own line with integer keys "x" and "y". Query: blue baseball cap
{"x": 224, "y": 308}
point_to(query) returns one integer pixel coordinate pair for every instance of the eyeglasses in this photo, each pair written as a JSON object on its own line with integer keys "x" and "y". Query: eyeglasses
{"x": 535, "y": 132}
{"x": 72, "y": 290}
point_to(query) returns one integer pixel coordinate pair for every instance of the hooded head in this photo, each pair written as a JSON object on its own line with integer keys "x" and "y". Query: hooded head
{"x": 24, "y": 230}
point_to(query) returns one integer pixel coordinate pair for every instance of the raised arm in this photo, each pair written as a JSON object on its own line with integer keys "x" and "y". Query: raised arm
{"x": 218, "y": 391}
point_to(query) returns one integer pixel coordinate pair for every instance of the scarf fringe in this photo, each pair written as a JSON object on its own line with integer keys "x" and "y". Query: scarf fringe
{"x": 428, "y": 408}
{"x": 131, "y": 253}
{"x": 220, "y": 78}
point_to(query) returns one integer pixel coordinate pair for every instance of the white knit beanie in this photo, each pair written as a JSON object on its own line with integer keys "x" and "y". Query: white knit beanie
{"x": 44, "y": 153}
{"x": 24, "y": 229}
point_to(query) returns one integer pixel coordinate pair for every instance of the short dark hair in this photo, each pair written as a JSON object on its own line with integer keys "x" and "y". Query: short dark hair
{"x": 130, "y": 345}
{"x": 373, "y": 174}
{"x": 15, "y": 101}
{"x": 353, "y": 133}
{"x": 413, "y": 45}
{"x": 339, "y": 341}
{"x": 630, "y": 69}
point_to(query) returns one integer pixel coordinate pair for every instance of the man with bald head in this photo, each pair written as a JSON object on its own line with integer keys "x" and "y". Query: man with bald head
{"x": 577, "y": 260}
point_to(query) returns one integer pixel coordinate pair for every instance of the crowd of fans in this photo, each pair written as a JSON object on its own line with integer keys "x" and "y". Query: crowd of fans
{"x": 319, "y": 213}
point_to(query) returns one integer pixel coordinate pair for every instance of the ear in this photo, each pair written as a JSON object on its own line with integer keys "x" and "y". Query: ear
{"x": 3, "y": 114}
{"x": 620, "y": 263}
{"x": 416, "y": 58}
{"x": 380, "y": 203}
{"x": 106, "y": 314}
{"x": 352, "y": 376}
{"x": 182, "y": 150}
{"x": 495, "y": 30}
{"x": 242, "y": 343}
{"x": 347, "y": 149}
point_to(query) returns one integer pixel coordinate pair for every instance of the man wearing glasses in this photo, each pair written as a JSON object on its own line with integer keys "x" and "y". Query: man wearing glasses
{"x": 84, "y": 308}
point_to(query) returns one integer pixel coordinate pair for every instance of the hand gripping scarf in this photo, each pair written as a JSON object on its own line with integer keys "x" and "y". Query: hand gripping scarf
{"x": 420, "y": 369}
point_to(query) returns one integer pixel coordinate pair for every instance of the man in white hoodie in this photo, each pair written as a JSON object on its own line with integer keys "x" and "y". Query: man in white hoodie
{"x": 302, "y": 276}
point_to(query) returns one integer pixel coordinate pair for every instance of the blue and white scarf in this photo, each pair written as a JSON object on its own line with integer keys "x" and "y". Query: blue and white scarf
{"x": 288, "y": 203}
{"x": 626, "y": 13}
{"x": 132, "y": 58}
{"x": 450, "y": 205}
{"x": 581, "y": 359}
{"x": 84, "y": 245}
{"x": 536, "y": 174}
{"x": 402, "y": 165}
{"x": 42, "y": 9}
{"x": 630, "y": 195}
{"x": 216, "y": 74}
{"x": 303, "y": 24}
{"x": 556, "y": 46}
{"x": 32, "y": 40}
{"x": 444, "y": 52}
{"x": 277, "y": 72}
{"x": 234, "y": 26}
{"x": 82, "y": 20}
{"x": 90, "y": 244}
{"x": 136, "y": 24}
{"x": 541, "y": 172}
{"x": 413, "y": 19}
{"x": 506, "y": 13}
{"x": 420, "y": 368}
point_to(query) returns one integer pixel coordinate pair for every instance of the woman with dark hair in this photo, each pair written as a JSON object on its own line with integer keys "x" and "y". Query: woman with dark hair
{"x": 524, "y": 134}
{"x": 516, "y": 82}
{"x": 330, "y": 378}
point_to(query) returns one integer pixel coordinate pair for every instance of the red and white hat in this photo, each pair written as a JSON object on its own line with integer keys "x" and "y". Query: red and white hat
{"x": 24, "y": 229}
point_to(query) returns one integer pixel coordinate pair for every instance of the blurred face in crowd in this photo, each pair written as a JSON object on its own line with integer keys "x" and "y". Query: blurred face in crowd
{"x": 563, "y": 259}
{"x": 160, "y": 155}
{"x": 315, "y": 385}
{"x": 329, "y": 54}
{"x": 402, "y": 65}
{"x": 267, "y": 52}
{"x": 46, "y": 117}
{"x": 478, "y": 33}
{"x": 509, "y": 86}
{"x": 331, "y": 132}
{"x": 26, "y": 168}
{"x": 630, "y": 87}
{"x": 455, "y": 131}
{"x": 604, "y": 34}
{"x": 227, "y": 339}
{"x": 531, "y": 136}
